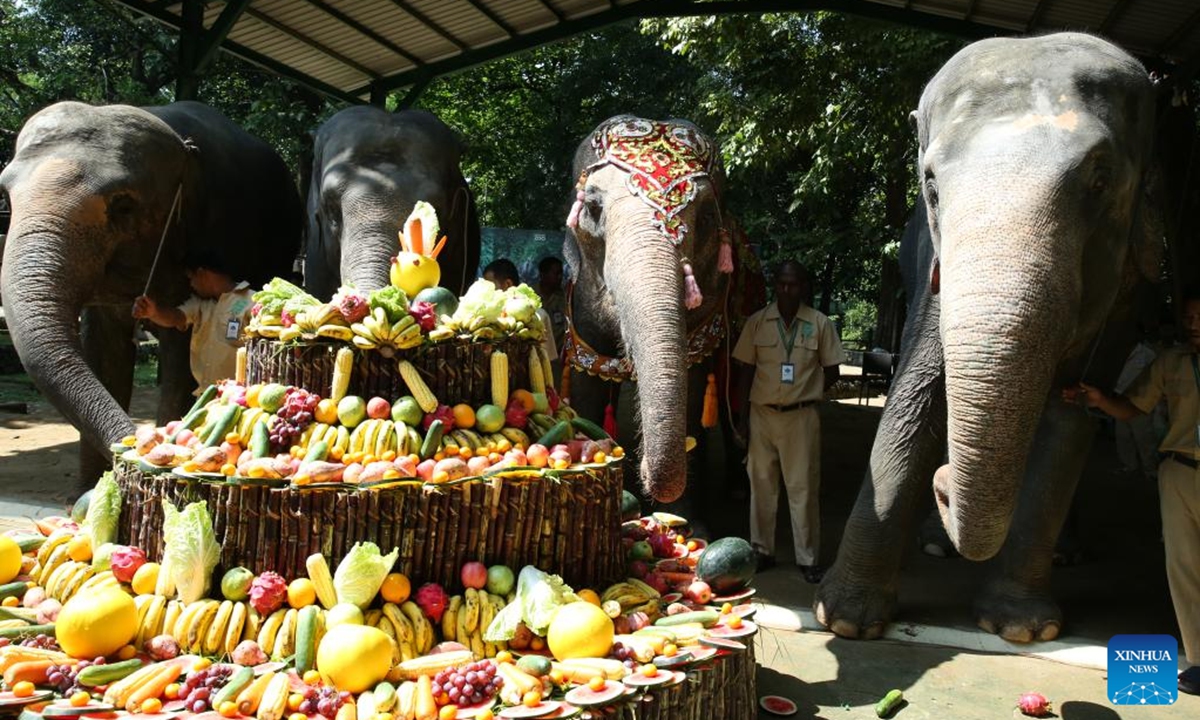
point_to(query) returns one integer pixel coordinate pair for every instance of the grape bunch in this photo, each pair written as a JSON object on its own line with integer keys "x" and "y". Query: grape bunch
{"x": 283, "y": 434}
{"x": 64, "y": 678}
{"x": 624, "y": 653}
{"x": 201, "y": 686}
{"x": 43, "y": 642}
{"x": 323, "y": 700}
{"x": 298, "y": 406}
{"x": 467, "y": 685}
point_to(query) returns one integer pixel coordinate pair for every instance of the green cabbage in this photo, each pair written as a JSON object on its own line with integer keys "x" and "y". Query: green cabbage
{"x": 482, "y": 300}
{"x": 104, "y": 511}
{"x": 522, "y": 303}
{"x": 393, "y": 301}
{"x": 539, "y": 596}
{"x": 191, "y": 550}
{"x": 279, "y": 295}
{"x": 360, "y": 574}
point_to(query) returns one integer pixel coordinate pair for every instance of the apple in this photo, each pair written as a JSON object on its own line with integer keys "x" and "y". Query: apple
{"x": 379, "y": 409}
{"x": 351, "y": 411}
{"x": 474, "y": 575}
{"x": 500, "y": 580}
{"x": 699, "y": 592}
{"x": 478, "y": 465}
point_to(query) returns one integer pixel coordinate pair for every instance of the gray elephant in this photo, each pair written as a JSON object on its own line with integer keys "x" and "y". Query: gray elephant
{"x": 96, "y": 193}
{"x": 1035, "y": 232}
{"x": 370, "y": 167}
{"x": 650, "y": 258}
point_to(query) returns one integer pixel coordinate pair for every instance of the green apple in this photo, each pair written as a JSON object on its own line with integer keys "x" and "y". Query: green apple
{"x": 351, "y": 411}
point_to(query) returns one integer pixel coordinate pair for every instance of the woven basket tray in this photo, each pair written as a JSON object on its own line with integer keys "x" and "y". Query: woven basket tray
{"x": 569, "y": 524}
{"x": 457, "y": 372}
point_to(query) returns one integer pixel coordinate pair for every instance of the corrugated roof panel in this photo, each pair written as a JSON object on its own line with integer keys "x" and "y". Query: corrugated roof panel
{"x": 580, "y": 8}
{"x": 398, "y": 26}
{"x": 1015, "y": 12}
{"x": 470, "y": 26}
{"x": 1145, "y": 26}
{"x": 330, "y": 32}
{"x": 1075, "y": 14}
{"x": 269, "y": 41}
{"x": 524, "y": 15}
{"x": 946, "y": 8}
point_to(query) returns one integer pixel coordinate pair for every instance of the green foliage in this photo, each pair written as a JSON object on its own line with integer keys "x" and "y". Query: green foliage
{"x": 858, "y": 324}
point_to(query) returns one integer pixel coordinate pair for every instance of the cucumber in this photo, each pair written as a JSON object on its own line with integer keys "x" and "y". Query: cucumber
{"x": 190, "y": 422}
{"x": 14, "y": 589}
{"x": 237, "y": 682}
{"x": 25, "y": 615}
{"x": 306, "y": 639}
{"x": 260, "y": 440}
{"x": 29, "y": 543}
{"x": 889, "y": 703}
{"x": 221, "y": 425}
{"x": 27, "y": 631}
{"x": 560, "y": 433}
{"x": 707, "y": 618}
{"x": 589, "y": 428}
{"x": 317, "y": 451}
{"x": 433, "y": 440}
{"x": 94, "y": 675}
{"x": 209, "y": 394}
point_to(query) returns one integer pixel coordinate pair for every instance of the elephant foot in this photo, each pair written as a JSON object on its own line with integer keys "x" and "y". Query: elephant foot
{"x": 1017, "y": 613}
{"x": 852, "y": 607}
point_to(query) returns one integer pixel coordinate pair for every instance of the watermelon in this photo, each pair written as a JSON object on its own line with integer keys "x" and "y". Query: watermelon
{"x": 584, "y": 696}
{"x": 777, "y": 705}
{"x": 445, "y": 301}
{"x": 727, "y": 565}
{"x": 79, "y": 511}
{"x": 631, "y": 507}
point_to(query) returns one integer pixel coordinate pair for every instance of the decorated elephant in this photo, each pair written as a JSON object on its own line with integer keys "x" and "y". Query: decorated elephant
{"x": 106, "y": 200}
{"x": 1036, "y": 230}
{"x": 651, "y": 262}
{"x": 370, "y": 167}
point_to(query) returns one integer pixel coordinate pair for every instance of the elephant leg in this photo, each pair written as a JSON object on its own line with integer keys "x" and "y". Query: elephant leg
{"x": 106, "y": 334}
{"x": 175, "y": 379}
{"x": 857, "y": 597}
{"x": 1017, "y": 604}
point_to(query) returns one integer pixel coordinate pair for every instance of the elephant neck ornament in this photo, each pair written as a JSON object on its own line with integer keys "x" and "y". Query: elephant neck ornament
{"x": 663, "y": 162}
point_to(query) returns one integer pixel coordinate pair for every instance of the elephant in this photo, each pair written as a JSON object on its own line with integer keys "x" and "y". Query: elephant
{"x": 1037, "y": 227}
{"x": 648, "y": 250}
{"x": 106, "y": 200}
{"x": 369, "y": 169}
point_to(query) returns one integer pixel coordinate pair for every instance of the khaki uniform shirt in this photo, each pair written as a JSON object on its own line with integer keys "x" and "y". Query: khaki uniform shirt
{"x": 817, "y": 346}
{"x": 217, "y": 327}
{"x": 1171, "y": 376}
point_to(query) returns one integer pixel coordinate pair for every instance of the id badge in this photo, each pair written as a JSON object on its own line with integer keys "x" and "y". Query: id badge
{"x": 232, "y": 328}
{"x": 787, "y": 373}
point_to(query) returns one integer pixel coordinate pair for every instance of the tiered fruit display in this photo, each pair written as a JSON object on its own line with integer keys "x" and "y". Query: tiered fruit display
{"x": 358, "y": 641}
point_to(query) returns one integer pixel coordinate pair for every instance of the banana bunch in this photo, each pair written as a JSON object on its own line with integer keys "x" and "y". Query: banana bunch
{"x": 632, "y": 595}
{"x": 316, "y": 321}
{"x": 375, "y": 437}
{"x": 468, "y": 616}
{"x": 277, "y": 633}
{"x": 407, "y": 626}
{"x": 246, "y": 422}
{"x": 335, "y": 437}
{"x": 540, "y": 423}
{"x": 478, "y": 442}
{"x": 208, "y": 627}
{"x": 52, "y": 553}
{"x": 375, "y": 332}
{"x": 265, "y": 324}
{"x": 68, "y": 578}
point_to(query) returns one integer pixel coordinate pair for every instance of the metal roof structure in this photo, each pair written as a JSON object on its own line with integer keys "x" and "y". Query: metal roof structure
{"x": 356, "y": 50}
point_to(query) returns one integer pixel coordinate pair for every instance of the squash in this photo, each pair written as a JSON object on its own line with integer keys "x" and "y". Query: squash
{"x": 354, "y": 658}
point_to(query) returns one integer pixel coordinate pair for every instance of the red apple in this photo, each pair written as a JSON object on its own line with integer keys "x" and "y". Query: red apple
{"x": 379, "y": 408}
{"x": 474, "y": 575}
{"x": 699, "y": 592}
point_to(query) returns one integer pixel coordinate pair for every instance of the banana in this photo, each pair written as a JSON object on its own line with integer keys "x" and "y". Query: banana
{"x": 285, "y": 641}
{"x": 233, "y": 630}
{"x": 363, "y": 343}
{"x": 54, "y": 578}
{"x": 409, "y": 338}
{"x": 179, "y": 629}
{"x": 84, "y": 574}
{"x": 335, "y": 332}
{"x": 331, "y": 434}
{"x": 142, "y": 603}
{"x": 450, "y": 618}
{"x": 360, "y": 329}
{"x": 389, "y": 629}
{"x": 385, "y": 437}
{"x": 400, "y": 430}
{"x": 649, "y": 591}
{"x": 290, "y": 333}
{"x": 57, "y": 557}
{"x": 270, "y": 631}
{"x": 343, "y": 438}
{"x": 369, "y": 434}
{"x": 198, "y": 628}
{"x": 405, "y": 630}
{"x": 316, "y": 434}
{"x": 152, "y": 620}
{"x": 516, "y": 436}
{"x": 356, "y": 438}
{"x": 486, "y": 612}
{"x": 461, "y": 634}
{"x": 371, "y": 617}
{"x": 253, "y": 624}
{"x": 56, "y": 538}
{"x": 422, "y": 629}
{"x": 214, "y": 637}
{"x": 273, "y": 705}
{"x": 171, "y": 616}
{"x": 100, "y": 580}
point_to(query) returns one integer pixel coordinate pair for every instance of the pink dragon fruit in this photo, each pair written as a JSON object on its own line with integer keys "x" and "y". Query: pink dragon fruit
{"x": 1034, "y": 705}
{"x": 441, "y": 412}
{"x": 432, "y": 600}
{"x": 268, "y": 593}
{"x": 352, "y": 305}
{"x": 254, "y": 311}
{"x": 515, "y": 414}
{"x": 425, "y": 313}
{"x": 287, "y": 319}
{"x": 663, "y": 545}
{"x": 125, "y": 561}
{"x": 552, "y": 398}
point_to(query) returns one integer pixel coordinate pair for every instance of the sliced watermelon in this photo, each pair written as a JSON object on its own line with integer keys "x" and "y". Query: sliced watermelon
{"x": 584, "y": 696}
{"x": 722, "y": 643}
{"x": 777, "y": 705}
{"x": 701, "y": 653}
{"x": 683, "y": 657}
{"x": 10, "y": 700}
{"x": 563, "y": 712}
{"x": 736, "y": 597}
{"x": 670, "y": 598}
{"x": 638, "y": 680}
{"x": 724, "y": 631}
{"x": 64, "y": 709}
{"x": 542, "y": 709}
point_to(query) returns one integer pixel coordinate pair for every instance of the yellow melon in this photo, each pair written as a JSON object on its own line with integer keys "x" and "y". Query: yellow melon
{"x": 96, "y": 623}
{"x": 354, "y": 658}
{"x": 578, "y": 630}
{"x": 10, "y": 559}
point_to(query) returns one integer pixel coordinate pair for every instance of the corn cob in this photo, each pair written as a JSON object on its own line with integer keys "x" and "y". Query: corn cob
{"x": 537, "y": 381}
{"x": 318, "y": 572}
{"x": 499, "y": 379}
{"x": 342, "y": 366}
{"x": 547, "y": 370}
{"x": 239, "y": 370}
{"x": 420, "y": 391}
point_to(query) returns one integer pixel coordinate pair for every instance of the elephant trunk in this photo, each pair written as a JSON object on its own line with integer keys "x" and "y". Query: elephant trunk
{"x": 367, "y": 254}
{"x": 1007, "y": 316}
{"x": 43, "y": 296}
{"x": 642, "y": 272}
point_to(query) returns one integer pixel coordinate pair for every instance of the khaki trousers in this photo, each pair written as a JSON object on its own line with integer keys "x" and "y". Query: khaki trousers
{"x": 786, "y": 444}
{"x": 1179, "y": 490}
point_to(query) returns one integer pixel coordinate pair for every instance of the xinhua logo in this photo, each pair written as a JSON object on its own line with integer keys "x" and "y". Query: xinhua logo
{"x": 1142, "y": 670}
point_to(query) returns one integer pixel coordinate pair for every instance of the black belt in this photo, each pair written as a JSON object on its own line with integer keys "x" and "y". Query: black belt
{"x": 1184, "y": 460}
{"x": 793, "y": 406}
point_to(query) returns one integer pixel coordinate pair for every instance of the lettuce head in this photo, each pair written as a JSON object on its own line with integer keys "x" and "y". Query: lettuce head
{"x": 360, "y": 574}
{"x": 191, "y": 550}
{"x": 539, "y": 596}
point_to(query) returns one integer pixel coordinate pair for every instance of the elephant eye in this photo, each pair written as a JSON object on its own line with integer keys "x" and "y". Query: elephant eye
{"x": 1101, "y": 179}
{"x": 931, "y": 191}
{"x": 121, "y": 207}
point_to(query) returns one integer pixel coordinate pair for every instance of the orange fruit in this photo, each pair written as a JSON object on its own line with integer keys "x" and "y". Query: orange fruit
{"x": 23, "y": 688}
{"x": 79, "y": 548}
{"x": 326, "y": 411}
{"x": 589, "y": 596}
{"x": 151, "y": 706}
{"x": 301, "y": 593}
{"x": 252, "y": 395}
{"x": 396, "y": 588}
{"x": 79, "y": 699}
{"x": 525, "y": 397}
{"x": 464, "y": 416}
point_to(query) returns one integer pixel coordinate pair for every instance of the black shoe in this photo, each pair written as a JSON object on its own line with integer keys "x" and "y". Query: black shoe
{"x": 765, "y": 561}
{"x": 1189, "y": 681}
{"x": 812, "y": 573}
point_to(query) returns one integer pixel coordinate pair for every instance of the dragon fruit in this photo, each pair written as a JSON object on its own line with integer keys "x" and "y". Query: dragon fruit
{"x": 1034, "y": 705}
{"x": 352, "y": 304}
{"x": 515, "y": 414}
{"x": 125, "y": 561}
{"x": 256, "y": 309}
{"x": 663, "y": 545}
{"x": 552, "y": 398}
{"x": 287, "y": 319}
{"x": 425, "y": 313}
{"x": 432, "y": 600}
{"x": 268, "y": 593}
{"x": 441, "y": 412}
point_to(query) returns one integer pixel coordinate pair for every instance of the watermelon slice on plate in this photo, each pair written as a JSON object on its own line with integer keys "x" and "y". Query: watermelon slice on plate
{"x": 144, "y": 716}
{"x": 724, "y": 631}
{"x": 777, "y": 705}
{"x": 10, "y": 700}
{"x": 64, "y": 709}
{"x": 638, "y": 680}
{"x": 584, "y": 696}
{"x": 737, "y": 597}
{"x": 683, "y": 657}
{"x": 722, "y": 643}
{"x": 564, "y": 711}
{"x": 701, "y": 653}
{"x": 542, "y": 709}
{"x": 670, "y": 598}
{"x": 466, "y": 712}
